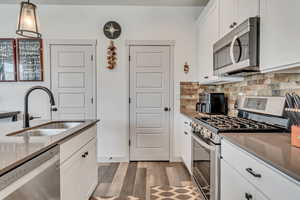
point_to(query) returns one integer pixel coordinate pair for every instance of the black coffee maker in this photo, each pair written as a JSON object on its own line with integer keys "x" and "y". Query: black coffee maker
{"x": 212, "y": 103}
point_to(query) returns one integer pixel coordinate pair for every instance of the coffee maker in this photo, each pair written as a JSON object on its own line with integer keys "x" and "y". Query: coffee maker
{"x": 212, "y": 103}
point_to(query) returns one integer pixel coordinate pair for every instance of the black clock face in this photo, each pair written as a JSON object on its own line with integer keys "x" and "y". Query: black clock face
{"x": 112, "y": 30}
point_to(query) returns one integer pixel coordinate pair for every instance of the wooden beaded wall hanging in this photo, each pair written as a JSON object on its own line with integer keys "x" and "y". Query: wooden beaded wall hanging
{"x": 111, "y": 55}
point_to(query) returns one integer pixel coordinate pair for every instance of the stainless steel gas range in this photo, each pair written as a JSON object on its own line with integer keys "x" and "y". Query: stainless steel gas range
{"x": 256, "y": 114}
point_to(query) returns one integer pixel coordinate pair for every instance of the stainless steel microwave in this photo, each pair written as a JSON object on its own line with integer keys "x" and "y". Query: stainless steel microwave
{"x": 237, "y": 53}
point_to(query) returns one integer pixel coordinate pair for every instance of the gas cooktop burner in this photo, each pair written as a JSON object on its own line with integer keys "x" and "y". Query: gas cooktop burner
{"x": 227, "y": 123}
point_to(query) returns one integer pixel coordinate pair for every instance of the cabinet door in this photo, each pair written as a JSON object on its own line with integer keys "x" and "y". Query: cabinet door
{"x": 89, "y": 169}
{"x": 71, "y": 177}
{"x": 247, "y": 9}
{"x": 280, "y": 44}
{"x": 228, "y": 15}
{"x": 208, "y": 34}
{"x": 233, "y": 185}
{"x": 189, "y": 151}
{"x": 181, "y": 137}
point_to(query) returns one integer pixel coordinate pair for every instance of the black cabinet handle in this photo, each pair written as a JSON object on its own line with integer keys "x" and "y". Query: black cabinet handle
{"x": 248, "y": 196}
{"x": 253, "y": 173}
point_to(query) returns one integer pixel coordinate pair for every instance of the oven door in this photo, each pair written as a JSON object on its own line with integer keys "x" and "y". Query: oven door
{"x": 206, "y": 167}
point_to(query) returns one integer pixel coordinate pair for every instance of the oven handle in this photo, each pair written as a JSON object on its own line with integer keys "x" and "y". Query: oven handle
{"x": 232, "y": 49}
{"x": 203, "y": 144}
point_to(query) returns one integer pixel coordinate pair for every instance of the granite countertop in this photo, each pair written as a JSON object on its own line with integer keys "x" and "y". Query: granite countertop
{"x": 16, "y": 150}
{"x": 273, "y": 148}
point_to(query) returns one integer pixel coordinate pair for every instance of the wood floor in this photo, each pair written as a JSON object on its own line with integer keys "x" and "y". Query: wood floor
{"x": 136, "y": 178}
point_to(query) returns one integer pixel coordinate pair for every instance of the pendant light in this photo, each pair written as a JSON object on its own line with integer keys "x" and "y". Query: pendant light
{"x": 28, "y": 25}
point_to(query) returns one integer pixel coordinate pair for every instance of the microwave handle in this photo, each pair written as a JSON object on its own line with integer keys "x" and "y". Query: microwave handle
{"x": 232, "y": 49}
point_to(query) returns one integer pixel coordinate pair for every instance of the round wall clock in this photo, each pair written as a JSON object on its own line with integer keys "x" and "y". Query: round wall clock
{"x": 112, "y": 30}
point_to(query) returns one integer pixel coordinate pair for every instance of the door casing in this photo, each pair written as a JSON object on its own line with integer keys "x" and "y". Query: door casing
{"x": 171, "y": 44}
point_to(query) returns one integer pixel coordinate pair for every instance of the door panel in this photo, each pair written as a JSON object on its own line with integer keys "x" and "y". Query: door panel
{"x": 150, "y": 93}
{"x": 228, "y": 15}
{"x": 73, "y": 82}
{"x": 247, "y": 9}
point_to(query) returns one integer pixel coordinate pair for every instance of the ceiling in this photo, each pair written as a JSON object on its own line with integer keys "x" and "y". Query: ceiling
{"x": 116, "y": 2}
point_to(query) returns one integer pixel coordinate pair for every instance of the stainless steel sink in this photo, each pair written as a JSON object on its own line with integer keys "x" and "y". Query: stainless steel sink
{"x": 41, "y": 132}
{"x": 60, "y": 125}
{"x": 49, "y": 129}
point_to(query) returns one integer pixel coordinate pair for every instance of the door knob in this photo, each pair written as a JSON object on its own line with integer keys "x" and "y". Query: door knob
{"x": 166, "y": 109}
{"x": 54, "y": 109}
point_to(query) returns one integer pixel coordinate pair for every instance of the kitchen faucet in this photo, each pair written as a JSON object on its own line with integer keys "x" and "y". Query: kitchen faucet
{"x": 26, "y": 114}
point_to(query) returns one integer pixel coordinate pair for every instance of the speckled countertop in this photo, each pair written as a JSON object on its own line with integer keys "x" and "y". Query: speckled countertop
{"x": 15, "y": 150}
{"x": 273, "y": 148}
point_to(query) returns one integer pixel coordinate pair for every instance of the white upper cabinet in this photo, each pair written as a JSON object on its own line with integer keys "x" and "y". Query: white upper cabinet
{"x": 280, "y": 44}
{"x": 234, "y": 12}
{"x": 208, "y": 34}
{"x": 246, "y": 9}
{"x": 228, "y": 15}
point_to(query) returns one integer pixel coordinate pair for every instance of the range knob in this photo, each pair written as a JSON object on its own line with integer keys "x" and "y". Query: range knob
{"x": 206, "y": 133}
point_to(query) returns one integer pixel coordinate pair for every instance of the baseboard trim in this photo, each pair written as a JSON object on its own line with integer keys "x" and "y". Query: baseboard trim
{"x": 176, "y": 159}
{"x": 112, "y": 159}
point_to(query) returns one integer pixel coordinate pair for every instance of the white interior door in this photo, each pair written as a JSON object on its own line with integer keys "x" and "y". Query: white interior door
{"x": 72, "y": 81}
{"x": 150, "y": 102}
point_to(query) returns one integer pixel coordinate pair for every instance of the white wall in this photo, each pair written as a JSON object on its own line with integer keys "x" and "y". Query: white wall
{"x": 80, "y": 22}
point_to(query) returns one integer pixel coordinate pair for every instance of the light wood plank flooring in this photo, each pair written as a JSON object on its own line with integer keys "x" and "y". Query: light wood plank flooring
{"x": 136, "y": 178}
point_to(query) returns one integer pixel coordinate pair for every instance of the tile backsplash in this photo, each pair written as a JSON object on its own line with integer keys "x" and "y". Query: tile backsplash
{"x": 269, "y": 84}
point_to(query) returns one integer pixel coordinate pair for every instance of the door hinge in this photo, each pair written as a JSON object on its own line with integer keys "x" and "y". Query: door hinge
{"x": 129, "y": 100}
{"x": 129, "y": 142}
{"x": 129, "y": 58}
{"x": 92, "y": 57}
{"x": 92, "y": 100}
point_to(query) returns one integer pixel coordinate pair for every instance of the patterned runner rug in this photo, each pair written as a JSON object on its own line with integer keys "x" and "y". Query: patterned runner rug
{"x": 163, "y": 193}
{"x": 115, "y": 198}
{"x": 174, "y": 193}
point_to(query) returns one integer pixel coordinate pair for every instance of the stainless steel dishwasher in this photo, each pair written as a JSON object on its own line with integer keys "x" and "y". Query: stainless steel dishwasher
{"x": 37, "y": 179}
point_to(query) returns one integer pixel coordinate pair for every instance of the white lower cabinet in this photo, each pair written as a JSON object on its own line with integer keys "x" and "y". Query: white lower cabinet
{"x": 241, "y": 172}
{"x": 236, "y": 187}
{"x": 70, "y": 176}
{"x": 186, "y": 142}
{"x": 79, "y": 174}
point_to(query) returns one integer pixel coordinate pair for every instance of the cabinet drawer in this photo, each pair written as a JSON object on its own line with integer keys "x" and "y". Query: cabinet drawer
{"x": 242, "y": 188}
{"x": 267, "y": 179}
{"x": 68, "y": 148}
